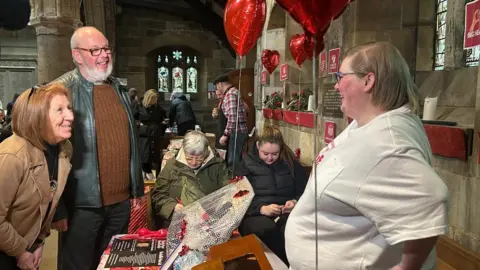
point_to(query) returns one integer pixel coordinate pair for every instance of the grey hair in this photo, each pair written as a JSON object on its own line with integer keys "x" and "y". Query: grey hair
{"x": 195, "y": 143}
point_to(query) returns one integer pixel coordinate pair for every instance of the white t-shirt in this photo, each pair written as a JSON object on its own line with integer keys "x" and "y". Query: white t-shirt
{"x": 376, "y": 189}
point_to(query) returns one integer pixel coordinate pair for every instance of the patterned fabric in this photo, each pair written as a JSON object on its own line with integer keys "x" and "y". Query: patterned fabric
{"x": 229, "y": 107}
{"x": 138, "y": 213}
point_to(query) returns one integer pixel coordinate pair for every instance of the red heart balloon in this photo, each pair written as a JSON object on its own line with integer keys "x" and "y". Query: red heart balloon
{"x": 314, "y": 15}
{"x": 243, "y": 21}
{"x": 297, "y": 48}
{"x": 301, "y": 47}
{"x": 270, "y": 60}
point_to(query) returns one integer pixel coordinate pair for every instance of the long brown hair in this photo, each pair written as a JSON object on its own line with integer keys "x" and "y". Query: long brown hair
{"x": 274, "y": 136}
{"x": 30, "y": 118}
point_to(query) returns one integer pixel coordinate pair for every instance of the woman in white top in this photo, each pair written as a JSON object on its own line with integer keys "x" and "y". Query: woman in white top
{"x": 380, "y": 204}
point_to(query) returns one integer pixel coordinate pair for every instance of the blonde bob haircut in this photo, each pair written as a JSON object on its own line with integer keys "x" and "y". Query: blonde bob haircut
{"x": 394, "y": 85}
{"x": 30, "y": 116}
{"x": 150, "y": 98}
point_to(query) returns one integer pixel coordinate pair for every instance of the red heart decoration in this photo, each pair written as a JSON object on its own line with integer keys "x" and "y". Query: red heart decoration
{"x": 314, "y": 15}
{"x": 270, "y": 60}
{"x": 297, "y": 48}
{"x": 301, "y": 47}
{"x": 243, "y": 21}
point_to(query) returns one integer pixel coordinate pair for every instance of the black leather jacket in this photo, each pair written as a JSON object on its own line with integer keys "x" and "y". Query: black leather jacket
{"x": 83, "y": 186}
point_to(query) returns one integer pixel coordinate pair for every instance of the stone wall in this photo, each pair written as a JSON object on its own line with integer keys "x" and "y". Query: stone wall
{"x": 18, "y": 62}
{"x": 141, "y": 31}
{"x": 410, "y": 26}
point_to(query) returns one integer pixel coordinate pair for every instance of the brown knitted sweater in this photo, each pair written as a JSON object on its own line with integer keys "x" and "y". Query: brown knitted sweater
{"x": 113, "y": 144}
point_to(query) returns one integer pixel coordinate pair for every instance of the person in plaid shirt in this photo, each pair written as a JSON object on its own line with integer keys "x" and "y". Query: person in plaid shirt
{"x": 229, "y": 108}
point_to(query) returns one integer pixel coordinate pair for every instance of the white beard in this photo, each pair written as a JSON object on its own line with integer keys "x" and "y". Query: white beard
{"x": 95, "y": 76}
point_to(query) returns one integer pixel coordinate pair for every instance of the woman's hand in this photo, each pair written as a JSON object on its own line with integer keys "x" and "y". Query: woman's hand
{"x": 179, "y": 207}
{"x": 26, "y": 261}
{"x": 272, "y": 210}
{"x": 38, "y": 256}
{"x": 61, "y": 225}
{"x": 289, "y": 205}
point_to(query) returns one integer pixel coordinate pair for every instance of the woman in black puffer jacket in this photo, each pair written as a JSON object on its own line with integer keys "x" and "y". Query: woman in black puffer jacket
{"x": 278, "y": 181}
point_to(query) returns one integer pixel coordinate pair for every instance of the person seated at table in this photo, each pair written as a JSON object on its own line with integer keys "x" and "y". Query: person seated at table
{"x": 196, "y": 171}
{"x": 35, "y": 163}
{"x": 278, "y": 180}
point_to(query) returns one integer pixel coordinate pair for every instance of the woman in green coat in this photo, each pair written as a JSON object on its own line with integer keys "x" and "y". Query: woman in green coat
{"x": 196, "y": 171}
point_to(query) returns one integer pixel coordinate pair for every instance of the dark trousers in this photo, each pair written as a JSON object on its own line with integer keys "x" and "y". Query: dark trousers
{"x": 271, "y": 233}
{"x": 184, "y": 127}
{"x": 89, "y": 232}
{"x": 147, "y": 167}
{"x": 234, "y": 154}
{"x": 7, "y": 262}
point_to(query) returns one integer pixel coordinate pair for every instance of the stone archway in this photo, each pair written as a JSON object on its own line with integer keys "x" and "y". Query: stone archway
{"x": 204, "y": 46}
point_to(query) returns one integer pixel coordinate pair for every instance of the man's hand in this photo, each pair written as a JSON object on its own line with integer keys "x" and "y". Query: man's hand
{"x": 223, "y": 140}
{"x": 26, "y": 261}
{"x": 289, "y": 205}
{"x": 60, "y": 225}
{"x": 38, "y": 256}
{"x": 272, "y": 210}
{"x": 215, "y": 113}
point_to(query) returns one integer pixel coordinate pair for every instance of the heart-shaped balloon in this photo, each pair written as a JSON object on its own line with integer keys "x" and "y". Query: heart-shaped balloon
{"x": 314, "y": 15}
{"x": 301, "y": 47}
{"x": 243, "y": 21}
{"x": 298, "y": 49}
{"x": 270, "y": 60}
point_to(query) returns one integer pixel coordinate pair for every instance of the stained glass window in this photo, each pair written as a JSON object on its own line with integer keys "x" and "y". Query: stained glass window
{"x": 191, "y": 80}
{"x": 440, "y": 34}
{"x": 177, "y": 79}
{"x": 177, "y": 55}
{"x": 162, "y": 79}
{"x": 177, "y": 69}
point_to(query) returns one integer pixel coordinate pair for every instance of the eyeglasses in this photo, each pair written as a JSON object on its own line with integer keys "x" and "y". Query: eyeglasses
{"x": 33, "y": 90}
{"x": 340, "y": 75}
{"x": 194, "y": 159}
{"x": 96, "y": 51}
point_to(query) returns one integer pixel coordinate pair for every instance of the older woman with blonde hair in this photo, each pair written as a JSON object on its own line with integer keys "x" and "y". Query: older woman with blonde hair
{"x": 196, "y": 171}
{"x": 35, "y": 163}
{"x": 376, "y": 202}
{"x": 151, "y": 117}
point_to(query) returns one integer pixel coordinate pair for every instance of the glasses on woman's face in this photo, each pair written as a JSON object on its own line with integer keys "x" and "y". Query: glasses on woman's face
{"x": 340, "y": 75}
{"x": 96, "y": 51}
{"x": 194, "y": 159}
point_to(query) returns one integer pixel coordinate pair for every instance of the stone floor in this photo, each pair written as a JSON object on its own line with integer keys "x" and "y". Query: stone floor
{"x": 49, "y": 261}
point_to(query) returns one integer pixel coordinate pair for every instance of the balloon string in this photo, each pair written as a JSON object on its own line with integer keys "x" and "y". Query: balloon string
{"x": 315, "y": 139}
{"x": 237, "y": 116}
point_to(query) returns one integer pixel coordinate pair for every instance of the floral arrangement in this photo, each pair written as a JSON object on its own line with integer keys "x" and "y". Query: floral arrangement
{"x": 299, "y": 101}
{"x": 274, "y": 101}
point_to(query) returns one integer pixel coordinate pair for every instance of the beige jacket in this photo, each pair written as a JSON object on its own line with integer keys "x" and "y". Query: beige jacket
{"x": 25, "y": 193}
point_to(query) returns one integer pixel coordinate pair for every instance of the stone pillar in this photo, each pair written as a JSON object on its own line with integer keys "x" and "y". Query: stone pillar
{"x": 454, "y": 34}
{"x": 54, "y": 22}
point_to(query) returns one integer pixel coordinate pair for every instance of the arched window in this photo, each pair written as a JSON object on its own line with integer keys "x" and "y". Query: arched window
{"x": 177, "y": 70}
{"x": 440, "y": 34}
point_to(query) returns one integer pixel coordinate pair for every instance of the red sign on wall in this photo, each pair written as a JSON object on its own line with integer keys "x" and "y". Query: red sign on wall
{"x": 472, "y": 25}
{"x": 264, "y": 77}
{"x": 323, "y": 63}
{"x": 329, "y": 132}
{"x": 284, "y": 72}
{"x": 333, "y": 60}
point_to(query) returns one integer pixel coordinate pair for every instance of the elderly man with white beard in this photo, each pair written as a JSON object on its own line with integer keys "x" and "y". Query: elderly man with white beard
{"x": 105, "y": 165}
